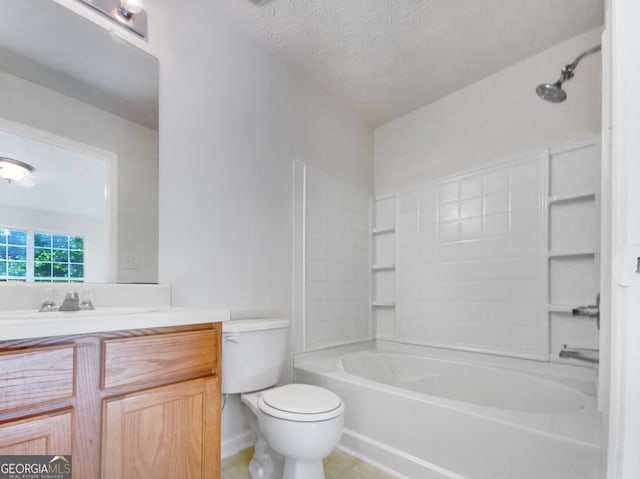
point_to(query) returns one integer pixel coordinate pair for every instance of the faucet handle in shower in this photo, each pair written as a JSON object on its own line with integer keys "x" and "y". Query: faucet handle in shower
{"x": 592, "y": 311}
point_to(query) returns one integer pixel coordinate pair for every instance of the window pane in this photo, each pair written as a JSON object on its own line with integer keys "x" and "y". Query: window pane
{"x": 60, "y": 241}
{"x": 42, "y": 270}
{"x": 41, "y": 254}
{"x": 76, "y": 242}
{"x": 77, "y": 270}
{"x": 16, "y": 268}
{"x": 60, "y": 255}
{"x": 3, "y": 251}
{"x": 17, "y": 237}
{"x": 42, "y": 240}
{"x": 3, "y": 235}
{"x": 17, "y": 253}
{"x": 76, "y": 256}
{"x": 3, "y": 268}
{"x": 60, "y": 270}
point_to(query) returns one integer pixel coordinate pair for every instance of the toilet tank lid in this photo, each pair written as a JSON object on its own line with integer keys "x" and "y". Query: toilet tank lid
{"x": 248, "y": 325}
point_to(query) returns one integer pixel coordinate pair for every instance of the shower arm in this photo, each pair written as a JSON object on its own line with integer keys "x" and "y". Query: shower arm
{"x": 567, "y": 72}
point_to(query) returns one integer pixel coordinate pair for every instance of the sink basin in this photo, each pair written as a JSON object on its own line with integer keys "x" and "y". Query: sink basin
{"x": 34, "y": 314}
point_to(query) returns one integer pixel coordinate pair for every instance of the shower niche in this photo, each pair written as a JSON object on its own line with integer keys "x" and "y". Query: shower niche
{"x": 573, "y": 215}
{"x": 383, "y": 266}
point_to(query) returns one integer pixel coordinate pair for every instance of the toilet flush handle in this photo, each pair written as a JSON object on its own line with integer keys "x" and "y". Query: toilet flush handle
{"x": 234, "y": 339}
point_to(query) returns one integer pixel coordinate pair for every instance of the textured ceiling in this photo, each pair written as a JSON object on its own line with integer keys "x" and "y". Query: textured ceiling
{"x": 385, "y": 58}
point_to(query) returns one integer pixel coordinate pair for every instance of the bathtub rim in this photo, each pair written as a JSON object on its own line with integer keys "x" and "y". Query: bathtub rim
{"x": 572, "y": 372}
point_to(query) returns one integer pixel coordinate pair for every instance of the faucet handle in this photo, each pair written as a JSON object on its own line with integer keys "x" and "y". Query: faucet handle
{"x": 85, "y": 299}
{"x": 48, "y": 300}
{"x": 591, "y": 311}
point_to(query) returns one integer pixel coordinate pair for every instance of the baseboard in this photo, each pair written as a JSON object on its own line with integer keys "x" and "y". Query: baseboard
{"x": 234, "y": 445}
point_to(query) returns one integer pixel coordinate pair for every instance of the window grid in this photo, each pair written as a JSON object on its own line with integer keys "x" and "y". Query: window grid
{"x": 41, "y": 256}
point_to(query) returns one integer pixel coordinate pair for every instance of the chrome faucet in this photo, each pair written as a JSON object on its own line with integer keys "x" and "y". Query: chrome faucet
{"x": 591, "y": 311}
{"x": 587, "y": 355}
{"x": 71, "y": 302}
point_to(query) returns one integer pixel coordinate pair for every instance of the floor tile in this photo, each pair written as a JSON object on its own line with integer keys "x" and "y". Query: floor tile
{"x": 338, "y": 465}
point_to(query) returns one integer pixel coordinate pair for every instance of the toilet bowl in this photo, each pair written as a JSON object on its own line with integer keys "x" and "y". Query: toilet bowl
{"x": 302, "y": 423}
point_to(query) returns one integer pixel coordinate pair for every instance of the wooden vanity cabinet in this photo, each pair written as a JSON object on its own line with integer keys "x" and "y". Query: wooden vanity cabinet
{"x": 126, "y": 404}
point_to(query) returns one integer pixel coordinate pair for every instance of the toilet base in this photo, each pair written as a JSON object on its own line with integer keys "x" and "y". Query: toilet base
{"x": 265, "y": 462}
{"x": 298, "y": 469}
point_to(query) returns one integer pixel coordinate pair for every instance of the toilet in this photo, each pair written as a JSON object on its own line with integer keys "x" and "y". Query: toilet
{"x": 296, "y": 425}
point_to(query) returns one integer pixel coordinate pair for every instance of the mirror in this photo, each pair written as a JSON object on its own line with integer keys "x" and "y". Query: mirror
{"x": 81, "y": 106}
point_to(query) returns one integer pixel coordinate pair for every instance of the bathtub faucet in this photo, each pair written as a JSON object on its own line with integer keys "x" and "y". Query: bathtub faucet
{"x": 587, "y": 355}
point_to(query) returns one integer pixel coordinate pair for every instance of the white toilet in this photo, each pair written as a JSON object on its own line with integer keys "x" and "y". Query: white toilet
{"x": 297, "y": 425}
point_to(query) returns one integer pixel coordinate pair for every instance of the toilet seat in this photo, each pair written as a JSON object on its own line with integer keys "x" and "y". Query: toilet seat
{"x": 300, "y": 402}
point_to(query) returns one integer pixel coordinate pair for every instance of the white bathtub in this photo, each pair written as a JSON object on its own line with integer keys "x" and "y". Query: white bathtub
{"x": 434, "y": 418}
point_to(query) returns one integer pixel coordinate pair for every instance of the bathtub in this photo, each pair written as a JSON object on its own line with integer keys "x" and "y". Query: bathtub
{"x": 430, "y": 417}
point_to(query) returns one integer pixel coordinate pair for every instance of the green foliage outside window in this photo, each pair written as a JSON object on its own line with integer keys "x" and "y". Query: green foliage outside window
{"x": 56, "y": 258}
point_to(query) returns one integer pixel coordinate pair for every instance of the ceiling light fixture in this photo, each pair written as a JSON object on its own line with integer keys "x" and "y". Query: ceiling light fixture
{"x": 128, "y": 13}
{"x": 14, "y": 170}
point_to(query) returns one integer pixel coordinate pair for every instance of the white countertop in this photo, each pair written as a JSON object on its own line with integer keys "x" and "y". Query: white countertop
{"x": 32, "y": 324}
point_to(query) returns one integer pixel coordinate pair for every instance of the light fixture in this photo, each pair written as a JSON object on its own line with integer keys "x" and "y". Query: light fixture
{"x": 128, "y": 13}
{"x": 128, "y": 8}
{"x": 14, "y": 170}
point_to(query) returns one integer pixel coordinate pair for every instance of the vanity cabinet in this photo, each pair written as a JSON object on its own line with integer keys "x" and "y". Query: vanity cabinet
{"x": 127, "y": 404}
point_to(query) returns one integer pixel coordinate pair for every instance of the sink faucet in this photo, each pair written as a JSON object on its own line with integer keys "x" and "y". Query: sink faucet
{"x": 587, "y": 355}
{"x": 71, "y": 302}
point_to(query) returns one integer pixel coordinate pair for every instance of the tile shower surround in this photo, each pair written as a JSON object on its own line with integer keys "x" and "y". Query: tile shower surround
{"x": 337, "y": 262}
{"x": 490, "y": 260}
{"x": 470, "y": 254}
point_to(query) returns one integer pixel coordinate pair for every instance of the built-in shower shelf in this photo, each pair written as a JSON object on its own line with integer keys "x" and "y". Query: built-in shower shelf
{"x": 383, "y": 267}
{"x": 383, "y": 304}
{"x": 571, "y": 198}
{"x": 383, "y": 230}
{"x": 572, "y": 254}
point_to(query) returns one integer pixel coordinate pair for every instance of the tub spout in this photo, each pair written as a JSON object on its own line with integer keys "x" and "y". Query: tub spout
{"x": 587, "y": 355}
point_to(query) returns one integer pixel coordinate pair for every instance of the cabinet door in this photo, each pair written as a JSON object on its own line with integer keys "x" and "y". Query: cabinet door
{"x": 166, "y": 433}
{"x": 47, "y": 435}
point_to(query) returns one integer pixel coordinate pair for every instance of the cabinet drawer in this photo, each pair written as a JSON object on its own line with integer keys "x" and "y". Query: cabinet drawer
{"x": 159, "y": 358}
{"x": 30, "y": 377}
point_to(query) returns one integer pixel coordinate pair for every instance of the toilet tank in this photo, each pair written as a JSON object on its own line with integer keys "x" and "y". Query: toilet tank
{"x": 253, "y": 353}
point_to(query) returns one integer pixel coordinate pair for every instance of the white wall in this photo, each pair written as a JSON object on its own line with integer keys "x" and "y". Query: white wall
{"x": 232, "y": 121}
{"x": 495, "y": 118}
{"x": 137, "y": 150}
{"x": 621, "y": 202}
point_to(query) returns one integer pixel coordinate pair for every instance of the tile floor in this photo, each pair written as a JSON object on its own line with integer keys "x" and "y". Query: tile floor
{"x": 338, "y": 465}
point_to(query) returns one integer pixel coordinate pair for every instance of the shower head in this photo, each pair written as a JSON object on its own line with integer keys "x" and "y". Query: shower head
{"x": 553, "y": 92}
